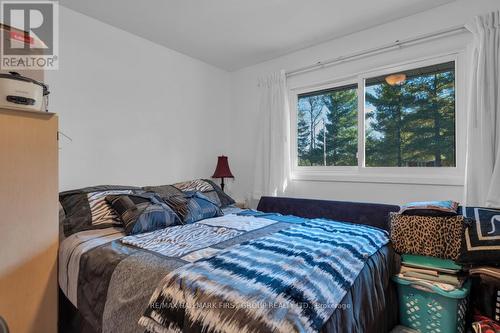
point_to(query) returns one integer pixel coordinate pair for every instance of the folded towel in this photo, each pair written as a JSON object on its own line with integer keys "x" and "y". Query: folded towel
{"x": 405, "y": 269}
{"x": 441, "y": 278}
{"x": 430, "y": 208}
{"x": 441, "y": 285}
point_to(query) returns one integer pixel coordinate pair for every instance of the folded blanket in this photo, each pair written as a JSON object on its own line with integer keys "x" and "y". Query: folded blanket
{"x": 430, "y": 208}
{"x": 289, "y": 281}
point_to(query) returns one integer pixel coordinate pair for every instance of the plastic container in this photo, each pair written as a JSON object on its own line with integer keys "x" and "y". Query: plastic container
{"x": 427, "y": 308}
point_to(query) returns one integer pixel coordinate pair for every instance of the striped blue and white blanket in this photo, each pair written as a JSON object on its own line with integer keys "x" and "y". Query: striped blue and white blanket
{"x": 288, "y": 281}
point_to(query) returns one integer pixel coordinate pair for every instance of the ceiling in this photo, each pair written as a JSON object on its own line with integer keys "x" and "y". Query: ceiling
{"x": 232, "y": 34}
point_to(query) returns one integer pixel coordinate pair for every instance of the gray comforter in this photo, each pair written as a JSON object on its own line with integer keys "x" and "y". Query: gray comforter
{"x": 110, "y": 278}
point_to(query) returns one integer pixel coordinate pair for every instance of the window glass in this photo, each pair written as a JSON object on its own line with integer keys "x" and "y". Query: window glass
{"x": 410, "y": 118}
{"x": 327, "y": 127}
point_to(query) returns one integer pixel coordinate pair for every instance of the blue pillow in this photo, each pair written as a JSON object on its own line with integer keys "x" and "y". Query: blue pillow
{"x": 200, "y": 207}
{"x": 142, "y": 212}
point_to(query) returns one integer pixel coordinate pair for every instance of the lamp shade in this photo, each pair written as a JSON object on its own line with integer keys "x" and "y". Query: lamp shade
{"x": 222, "y": 169}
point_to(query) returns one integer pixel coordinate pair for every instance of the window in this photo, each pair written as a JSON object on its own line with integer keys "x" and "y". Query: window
{"x": 327, "y": 130}
{"x": 408, "y": 122}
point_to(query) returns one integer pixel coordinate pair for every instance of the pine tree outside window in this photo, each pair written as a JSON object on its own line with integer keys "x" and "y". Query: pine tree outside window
{"x": 376, "y": 125}
{"x": 412, "y": 123}
{"x": 327, "y": 129}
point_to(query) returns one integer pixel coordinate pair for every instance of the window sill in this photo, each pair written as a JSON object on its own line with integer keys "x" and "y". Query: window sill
{"x": 371, "y": 176}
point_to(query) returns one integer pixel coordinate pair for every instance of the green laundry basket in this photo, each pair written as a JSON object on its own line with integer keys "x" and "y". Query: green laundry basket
{"x": 429, "y": 309}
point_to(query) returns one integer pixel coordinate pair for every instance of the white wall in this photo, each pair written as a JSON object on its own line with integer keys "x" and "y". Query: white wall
{"x": 246, "y": 98}
{"x": 138, "y": 113}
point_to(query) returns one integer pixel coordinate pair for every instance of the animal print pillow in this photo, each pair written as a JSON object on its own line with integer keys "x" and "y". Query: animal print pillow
{"x": 425, "y": 235}
{"x": 481, "y": 245}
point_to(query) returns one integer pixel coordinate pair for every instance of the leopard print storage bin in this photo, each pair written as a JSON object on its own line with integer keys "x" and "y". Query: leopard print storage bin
{"x": 428, "y": 236}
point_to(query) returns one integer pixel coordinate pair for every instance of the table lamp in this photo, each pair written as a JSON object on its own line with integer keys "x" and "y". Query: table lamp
{"x": 222, "y": 170}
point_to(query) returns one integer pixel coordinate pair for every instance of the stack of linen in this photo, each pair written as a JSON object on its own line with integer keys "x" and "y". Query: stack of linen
{"x": 429, "y": 235}
{"x": 442, "y": 273}
{"x": 481, "y": 255}
{"x": 432, "y": 287}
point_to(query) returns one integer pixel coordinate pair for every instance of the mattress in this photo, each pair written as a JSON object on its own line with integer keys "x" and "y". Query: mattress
{"x": 109, "y": 278}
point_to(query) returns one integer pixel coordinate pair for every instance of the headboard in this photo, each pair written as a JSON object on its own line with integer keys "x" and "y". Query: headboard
{"x": 356, "y": 212}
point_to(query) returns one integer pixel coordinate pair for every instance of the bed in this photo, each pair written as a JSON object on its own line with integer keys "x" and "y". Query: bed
{"x": 109, "y": 281}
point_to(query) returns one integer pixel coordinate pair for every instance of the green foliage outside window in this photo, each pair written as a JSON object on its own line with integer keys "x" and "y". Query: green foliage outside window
{"x": 410, "y": 124}
{"x": 327, "y": 132}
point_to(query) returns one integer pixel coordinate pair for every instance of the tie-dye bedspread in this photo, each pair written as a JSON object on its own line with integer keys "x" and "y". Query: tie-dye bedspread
{"x": 289, "y": 281}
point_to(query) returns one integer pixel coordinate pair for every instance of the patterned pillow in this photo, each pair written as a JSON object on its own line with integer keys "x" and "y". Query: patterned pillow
{"x": 101, "y": 212}
{"x": 179, "y": 204}
{"x": 225, "y": 199}
{"x": 430, "y": 208}
{"x": 86, "y": 208}
{"x": 198, "y": 185}
{"x": 142, "y": 212}
{"x": 481, "y": 245}
{"x": 426, "y": 235}
{"x": 208, "y": 188}
{"x": 164, "y": 191}
{"x": 194, "y": 206}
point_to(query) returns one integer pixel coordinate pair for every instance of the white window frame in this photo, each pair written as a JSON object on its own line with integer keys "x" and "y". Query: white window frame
{"x": 402, "y": 175}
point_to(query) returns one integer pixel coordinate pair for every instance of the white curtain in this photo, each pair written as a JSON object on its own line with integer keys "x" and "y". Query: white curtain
{"x": 272, "y": 164}
{"x": 483, "y": 137}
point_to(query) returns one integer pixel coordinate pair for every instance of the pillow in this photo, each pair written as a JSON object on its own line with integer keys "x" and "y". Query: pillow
{"x": 62, "y": 216}
{"x": 142, "y": 212}
{"x": 481, "y": 244}
{"x": 225, "y": 199}
{"x": 164, "y": 191}
{"x": 86, "y": 208}
{"x": 208, "y": 188}
{"x": 174, "y": 197}
{"x": 194, "y": 206}
{"x": 197, "y": 185}
{"x": 200, "y": 207}
{"x": 430, "y": 208}
{"x": 179, "y": 204}
{"x": 427, "y": 235}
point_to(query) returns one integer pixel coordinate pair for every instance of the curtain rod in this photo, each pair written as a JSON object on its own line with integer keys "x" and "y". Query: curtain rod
{"x": 377, "y": 50}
